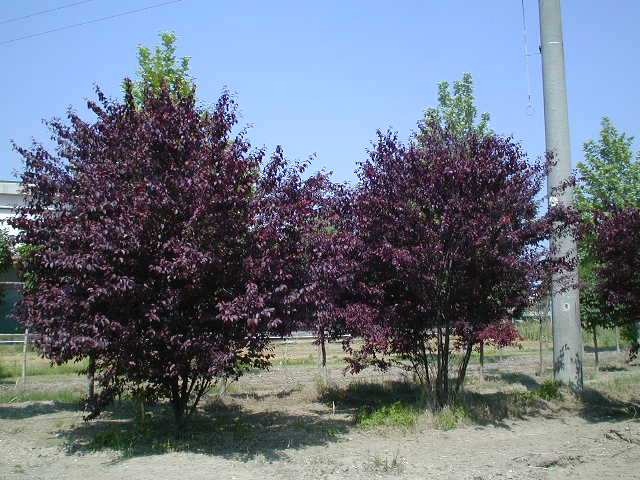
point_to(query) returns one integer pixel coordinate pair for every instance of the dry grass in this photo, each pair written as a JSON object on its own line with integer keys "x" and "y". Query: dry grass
{"x": 290, "y": 406}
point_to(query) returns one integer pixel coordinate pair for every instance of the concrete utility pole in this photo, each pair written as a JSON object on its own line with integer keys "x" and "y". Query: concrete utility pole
{"x": 565, "y": 304}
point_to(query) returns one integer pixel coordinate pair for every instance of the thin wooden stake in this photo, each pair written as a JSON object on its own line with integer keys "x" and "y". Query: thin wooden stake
{"x": 24, "y": 357}
{"x": 481, "y": 361}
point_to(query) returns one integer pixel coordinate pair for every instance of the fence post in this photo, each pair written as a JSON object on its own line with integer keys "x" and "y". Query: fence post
{"x": 285, "y": 360}
{"x": 24, "y": 357}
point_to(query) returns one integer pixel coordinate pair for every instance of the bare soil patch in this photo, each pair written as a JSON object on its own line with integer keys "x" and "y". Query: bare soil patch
{"x": 281, "y": 424}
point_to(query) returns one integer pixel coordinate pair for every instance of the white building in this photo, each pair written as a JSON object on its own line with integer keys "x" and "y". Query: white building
{"x": 11, "y": 196}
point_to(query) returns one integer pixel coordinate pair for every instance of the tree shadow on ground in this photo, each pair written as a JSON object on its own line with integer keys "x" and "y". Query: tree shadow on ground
{"x": 372, "y": 394}
{"x": 596, "y": 406}
{"x": 476, "y": 408}
{"x": 528, "y": 381}
{"x": 601, "y": 349}
{"x": 221, "y": 429}
{"x": 613, "y": 368}
{"x": 264, "y": 396}
{"x": 592, "y": 404}
{"x": 495, "y": 408}
{"x": 20, "y": 411}
{"x": 537, "y": 399}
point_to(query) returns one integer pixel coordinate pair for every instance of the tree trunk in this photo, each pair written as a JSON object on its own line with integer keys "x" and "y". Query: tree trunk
{"x": 223, "y": 387}
{"x": 91, "y": 379}
{"x": 322, "y": 357}
{"x": 443, "y": 393}
{"x": 179, "y": 410}
{"x": 323, "y": 352}
{"x": 462, "y": 370}
{"x": 540, "y": 364}
{"x": 617, "y": 339}
{"x": 595, "y": 346}
{"x": 179, "y": 404}
{"x": 142, "y": 412}
{"x": 482, "y": 361}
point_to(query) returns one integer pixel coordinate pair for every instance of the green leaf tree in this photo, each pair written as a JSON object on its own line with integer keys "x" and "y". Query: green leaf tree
{"x": 5, "y": 255}
{"x": 609, "y": 175}
{"x": 161, "y": 67}
{"x": 456, "y": 111}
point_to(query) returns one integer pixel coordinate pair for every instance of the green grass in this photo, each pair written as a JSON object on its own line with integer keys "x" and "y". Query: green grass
{"x": 15, "y": 371}
{"x": 16, "y": 395}
{"x": 310, "y": 360}
{"x": 127, "y": 439}
{"x": 11, "y": 364}
{"x": 623, "y": 385}
{"x": 398, "y": 414}
{"x": 296, "y": 361}
{"x": 530, "y": 330}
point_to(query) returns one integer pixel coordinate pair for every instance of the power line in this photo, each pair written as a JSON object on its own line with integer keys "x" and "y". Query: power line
{"x": 526, "y": 60}
{"x": 42, "y": 12}
{"x": 95, "y": 20}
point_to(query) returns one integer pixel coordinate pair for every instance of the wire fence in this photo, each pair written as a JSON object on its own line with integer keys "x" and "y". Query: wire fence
{"x": 13, "y": 339}
{"x": 19, "y": 357}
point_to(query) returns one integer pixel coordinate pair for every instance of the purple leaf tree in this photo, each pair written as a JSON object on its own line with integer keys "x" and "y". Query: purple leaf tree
{"x": 164, "y": 254}
{"x": 617, "y": 244}
{"x": 451, "y": 243}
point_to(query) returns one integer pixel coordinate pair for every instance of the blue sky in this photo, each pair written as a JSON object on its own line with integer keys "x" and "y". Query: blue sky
{"x": 321, "y": 77}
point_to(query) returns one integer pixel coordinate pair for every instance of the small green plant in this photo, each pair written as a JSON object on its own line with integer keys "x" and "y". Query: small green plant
{"x": 450, "y": 417}
{"x": 549, "y": 390}
{"x": 112, "y": 439}
{"x": 384, "y": 465}
{"x": 397, "y": 414}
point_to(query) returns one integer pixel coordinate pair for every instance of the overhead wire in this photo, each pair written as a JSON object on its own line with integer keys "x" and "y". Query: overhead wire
{"x": 88, "y": 22}
{"x": 42, "y": 12}
{"x": 526, "y": 60}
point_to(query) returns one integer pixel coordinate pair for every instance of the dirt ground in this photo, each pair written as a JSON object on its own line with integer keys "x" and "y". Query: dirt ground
{"x": 277, "y": 425}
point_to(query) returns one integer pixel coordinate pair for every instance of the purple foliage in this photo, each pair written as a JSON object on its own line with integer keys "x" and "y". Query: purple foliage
{"x": 617, "y": 245}
{"x": 450, "y": 242}
{"x": 315, "y": 214}
{"x": 163, "y": 254}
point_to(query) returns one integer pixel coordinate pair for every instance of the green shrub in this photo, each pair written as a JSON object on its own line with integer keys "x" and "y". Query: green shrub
{"x": 397, "y": 414}
{"x": 549, "y": 390}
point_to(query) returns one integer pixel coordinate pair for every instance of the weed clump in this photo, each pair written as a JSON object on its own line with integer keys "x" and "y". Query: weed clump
{"x": 549, "y": 390}
{"x": 397, "y": 414}
{"x": 450, "y": 417}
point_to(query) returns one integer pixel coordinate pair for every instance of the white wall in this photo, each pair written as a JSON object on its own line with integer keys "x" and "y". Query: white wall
{"x": 10, "y": 197}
